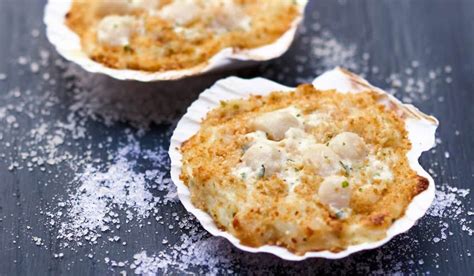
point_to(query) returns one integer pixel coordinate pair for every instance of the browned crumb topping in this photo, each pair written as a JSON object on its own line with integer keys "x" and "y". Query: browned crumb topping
{"x": 268, "y": 209}
{"x": 170, "y": 42}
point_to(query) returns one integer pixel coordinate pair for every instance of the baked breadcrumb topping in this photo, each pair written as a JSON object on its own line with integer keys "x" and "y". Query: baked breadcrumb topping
{"x": 161, "y": 35}
{"x": 307, "y": 170}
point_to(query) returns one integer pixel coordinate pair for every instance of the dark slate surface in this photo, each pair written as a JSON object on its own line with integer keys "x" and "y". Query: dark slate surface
{"x": 391, "y": 33}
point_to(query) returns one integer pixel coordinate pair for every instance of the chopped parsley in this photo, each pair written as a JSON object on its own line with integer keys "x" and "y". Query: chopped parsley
{"x": 245, "y": 147}
{"x": 345, "y": 184}
{"x": 346, "y": 168}
{"x": 128, "y": 49}
{"x": 261, "y": 173}
{"x": 243, "y": 175}
{"x": 340, "y": 214}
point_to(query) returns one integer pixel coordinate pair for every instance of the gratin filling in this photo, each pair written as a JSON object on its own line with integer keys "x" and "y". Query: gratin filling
{"x": 156, "y": 35}
{"x": 307, "y": 170}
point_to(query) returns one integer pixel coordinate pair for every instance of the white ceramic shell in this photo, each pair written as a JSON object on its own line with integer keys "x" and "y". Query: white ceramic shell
{"x": 421, "y": 131}
{"x": 68, "y": 44}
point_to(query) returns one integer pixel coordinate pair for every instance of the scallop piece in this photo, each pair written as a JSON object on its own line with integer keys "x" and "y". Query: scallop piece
{"x": 228, "y": 16}
{"x": 276, "y": 123}
{"x": 257, "y": 136}
{"x": 116, "y": 30}
{"x": 317, "y": 119}
{"x": 335, "y": 191}
{"x": 295, "y": 133}
{"x": 349, "y": 146}
{"x": 296, "y": 139}
{"x": 181, "y": 12}
{"x": 321, "y": 157}
{"x": 263, "y": 158}
{"x": 225, "y": 15}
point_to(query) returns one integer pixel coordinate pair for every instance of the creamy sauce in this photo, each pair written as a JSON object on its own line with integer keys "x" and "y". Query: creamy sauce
{"x": 181, "y": 12}
{"x": 280, "y": 146}
{"x": 222, "y": 15}
{"x": 290, "y": 175}
{"x": 379, "y": 170}
{"x": 116, "y": 30}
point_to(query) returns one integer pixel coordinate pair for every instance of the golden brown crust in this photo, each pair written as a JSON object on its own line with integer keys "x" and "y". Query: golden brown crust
{"x": 422, "y": 185}
{"x": 162, "y": 48}
{"x": 267, "y": 212}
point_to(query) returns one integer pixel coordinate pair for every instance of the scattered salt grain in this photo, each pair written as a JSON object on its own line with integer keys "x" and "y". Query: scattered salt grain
{"x": 102, "y": 192}
{"x": 35, "y": 33}
{"x": 366, "y": 56}
{"x": 34, "y": 67}
{"x": 38, "y": 241}
{"x": 22, "y": 60}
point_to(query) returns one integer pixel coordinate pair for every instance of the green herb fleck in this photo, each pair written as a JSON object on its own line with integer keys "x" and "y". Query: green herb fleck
{"x": 340, "y": 214}
{"x": 243, "y": 175}
{"x": 128, "y": 49}
{"x": 261, "y": 173}
{"x": 345, "y": 184}
{"x": 346, "y": 168}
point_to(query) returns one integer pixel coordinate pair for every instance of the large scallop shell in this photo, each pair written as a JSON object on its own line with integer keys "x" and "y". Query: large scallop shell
{"x": 68, "y": 44}
{"x": 421, "y": 132}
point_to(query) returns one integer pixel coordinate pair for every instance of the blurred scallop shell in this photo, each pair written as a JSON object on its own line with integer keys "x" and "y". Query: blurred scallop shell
{"x": 421, "y": 131}
{"x": 68, "y": 44}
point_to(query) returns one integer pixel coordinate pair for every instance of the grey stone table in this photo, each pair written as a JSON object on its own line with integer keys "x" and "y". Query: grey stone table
{"x": 56, "y": 119}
